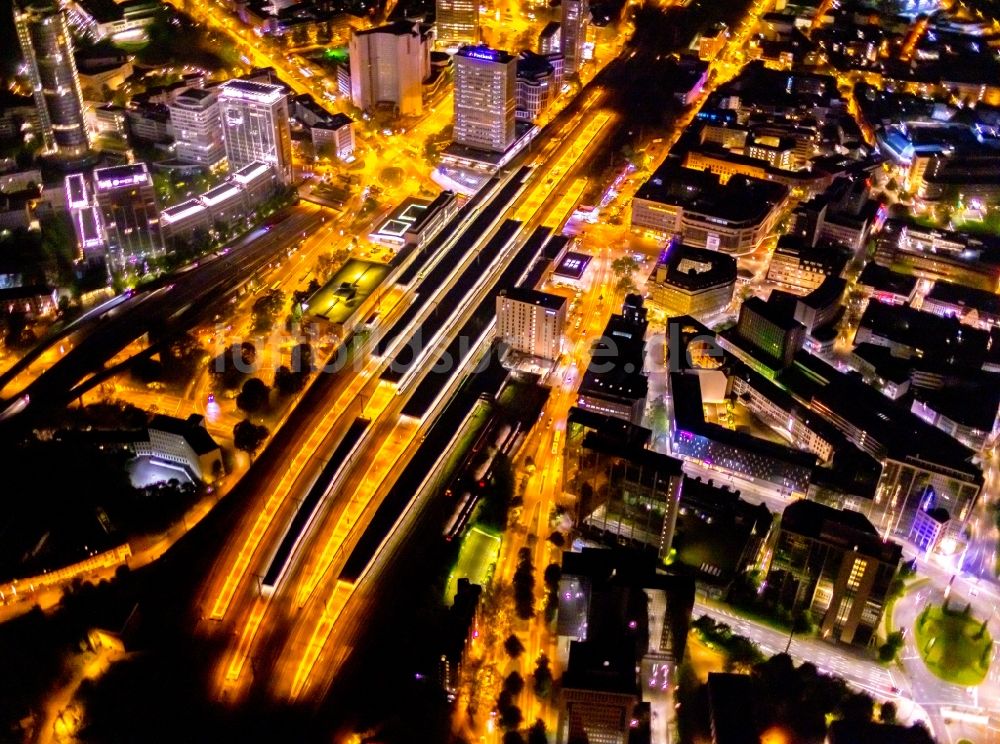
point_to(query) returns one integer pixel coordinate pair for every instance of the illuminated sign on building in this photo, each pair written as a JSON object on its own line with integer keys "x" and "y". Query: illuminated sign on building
{"x": 484, "y": 53}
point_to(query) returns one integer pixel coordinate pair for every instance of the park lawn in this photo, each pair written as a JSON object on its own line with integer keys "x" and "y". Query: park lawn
{"x": 951, "y": 646}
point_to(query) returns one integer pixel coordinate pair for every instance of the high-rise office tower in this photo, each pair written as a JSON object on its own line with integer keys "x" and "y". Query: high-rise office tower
{"x": 48, "y": 54}
{"x": 389, "y": 65}
{"x": 127, "y": 200}
{"x": 485, "y": 98}
{"x": 198, "y": 127}
{"x": 255, "y": 126}
{"x": 573, "y": 32}
{"x": 457, "y": 21}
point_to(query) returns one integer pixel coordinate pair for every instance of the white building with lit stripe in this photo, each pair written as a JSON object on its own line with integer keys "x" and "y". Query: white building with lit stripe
{"x": 256, "y": 127}
{"x": 127, "y": 200}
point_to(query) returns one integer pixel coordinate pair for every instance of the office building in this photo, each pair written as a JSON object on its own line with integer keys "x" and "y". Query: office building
{"x": 833, "y": 564}
{"x": 692, "y": 281}
{"x": 256, "y": 127}
{"x": 531, "y": 322}
{"x": 485, "y": 98}
{"x": 457, "y": 22}
{"x": 767, "y": 329}
{"x": 389, "y": 65}
{"x": 802, "y": 267}
{"x": 47, "y": 49}
{"x": 184, "y": 443}
{"x": 734, "y": 217}
{"x": 573, "y": 33}
{"x": 550, "y": 39}
{"x": 614, "y": 383}
{"x": 88, "y": 224}
{"x": 628, "y": 494}
{"x": 621, "y": 630}
{"x": 537, "y": 85}
{"x": 692, "y": 437}
{"x": 127, "y": 200}
{"x": 194, "y": 115}
{"x": 719, "y": 536}
{"x": 974, "y": 307}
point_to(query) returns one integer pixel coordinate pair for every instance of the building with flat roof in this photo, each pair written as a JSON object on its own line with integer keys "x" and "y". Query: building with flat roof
{"x": 485, "y": 98}
{"x": 621, "y": 629}
{"x": 882, "y": 284}
{"x": 389, "y": 65}
{"x": 550, "y": 38}
{"x": 774, "y": 333}
{"x": 734, "y": 217}
{"x": 256, "y": 126}
{"x": 613, "y": 382}
{"x": 691, "y": 437}
{"x": 531, "y": 322}
{"x": 537, "y": 85}
{"x": 126, "y": 197}
{"x": 197, "y": 125}
{"x": 88, "y": 222}
{"x": 628, "y": 494}
{"x": 719, "y": 536}
{"x": 802, "y": 267}
{"x": 974, "y": 307}
{"x": 833, "y": 564}
{"x": 909, "y": 332}
{"x": 692, "y": 281}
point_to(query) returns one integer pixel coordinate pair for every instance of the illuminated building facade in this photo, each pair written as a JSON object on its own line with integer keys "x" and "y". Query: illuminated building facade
{"x": 457, "y": 22}
{"x": 833, "y": 564}
{"x": 127, "y": 200}
{"x": 485, "y": 98}
{"x": 573, "y": 32}
{"x": 47, "y": 49}
{"x": 389, "y": 65}
{"x": 197, "y": 125}
{"x": 255, "y": 125}
{"x": 531, "y": 322}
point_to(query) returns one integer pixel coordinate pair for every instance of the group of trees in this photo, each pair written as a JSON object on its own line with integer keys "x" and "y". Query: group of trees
{"x": 509, "y": 715}
{"x": 741, "y": 653}
{"x": 266, "y": 309}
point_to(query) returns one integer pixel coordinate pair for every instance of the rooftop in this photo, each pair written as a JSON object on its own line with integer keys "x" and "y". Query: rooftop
{"x": 534, "y": 297}
{"x": 741, "y": 199}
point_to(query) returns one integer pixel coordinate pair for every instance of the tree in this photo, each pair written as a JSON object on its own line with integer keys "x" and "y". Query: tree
{"x": 512, "y": 737}
{"x": 248, "y": 436}
{"x": 514, "y": 683}
{"x": 889, "y": 650}
{"x": 513, "y": 646}
{"x": 542, "y": 677}
{"x": 266, "y": 308}
{"x": 623, "y": 269}
{"x": 887, "y": 713}
{"x": 510, "y": 717}
{"x": 537, "y": 734}
{"x": 253, "y": 396}
{"x": 524, "y": 585}
{"x": 553, "y": 572}
{"x": 287, "y": 382}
